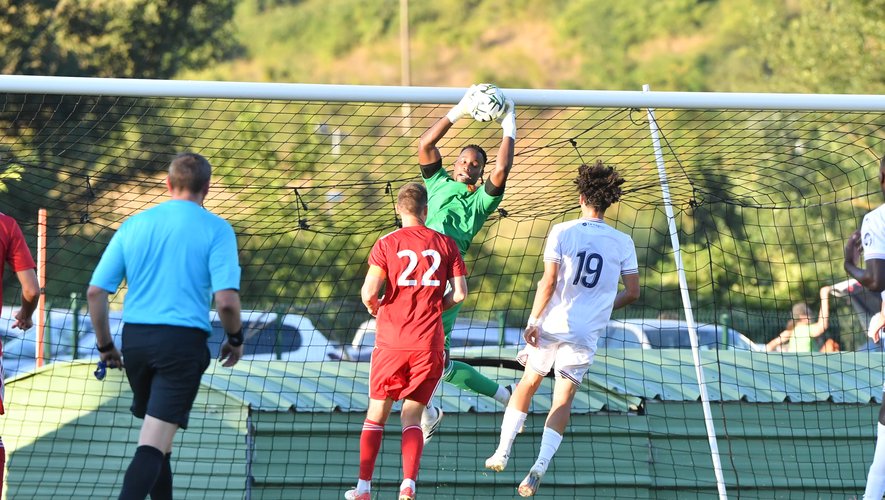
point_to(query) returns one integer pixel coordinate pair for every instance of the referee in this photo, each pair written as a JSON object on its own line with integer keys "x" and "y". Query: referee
{"x": 174, "y": 257}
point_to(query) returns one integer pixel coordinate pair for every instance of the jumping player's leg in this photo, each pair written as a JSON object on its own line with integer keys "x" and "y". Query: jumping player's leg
{"x": 514, "y": 418}
{"x": 876, "y": 477}
{"x": 557, "y": 420}
{"x": 2, "y": 462}
{"x": 571, "y": 365}
{"x": 563, "y": 394}
{"x": 464, "y": 376}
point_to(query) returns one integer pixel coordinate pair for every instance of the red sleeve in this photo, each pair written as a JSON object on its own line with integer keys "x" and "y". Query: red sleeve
{"x": 377, "y": 255}
{"x": 18, "y": 255}
{"x": 458, "y": 267}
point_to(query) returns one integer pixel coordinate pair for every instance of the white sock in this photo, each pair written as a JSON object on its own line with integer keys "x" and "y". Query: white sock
{"x": 430, "y": 414}
{"x": 407, "y": 483}
{"x": 549, "y": 444}
{"x": 363, "y": 486}
{"x": 510, "y": 425}
{"x": 876, "y": 478}
{"x": 502, "y": 395}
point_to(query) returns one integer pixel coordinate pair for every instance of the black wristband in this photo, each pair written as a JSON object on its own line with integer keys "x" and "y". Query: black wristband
{"x": 235, "y": 339}
{"x": 105, "y": 348}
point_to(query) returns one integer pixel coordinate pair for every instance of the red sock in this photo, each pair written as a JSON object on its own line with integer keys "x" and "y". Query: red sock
{"x": 2, "y": 464}
{"x": 370, "y": 444}
{"x": 413, "y": 445}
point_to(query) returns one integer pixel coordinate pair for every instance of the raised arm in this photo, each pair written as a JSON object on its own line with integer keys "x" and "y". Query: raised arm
{"x": 428, "y": 153}
{"x": 872, "y": 276}
{"x": 823, "y": 317}
{"x": 504, "y": 160}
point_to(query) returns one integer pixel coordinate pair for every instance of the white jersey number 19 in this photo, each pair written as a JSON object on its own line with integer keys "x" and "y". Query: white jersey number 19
{"x": 588, "y": 269}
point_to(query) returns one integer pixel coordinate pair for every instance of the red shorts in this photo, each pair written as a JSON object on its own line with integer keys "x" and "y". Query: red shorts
{"x": 405, "y": 374}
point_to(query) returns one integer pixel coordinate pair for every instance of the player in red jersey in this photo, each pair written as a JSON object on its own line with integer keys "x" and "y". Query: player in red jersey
{"x": 413, "y": 266}
{"x": 14, "y": 251}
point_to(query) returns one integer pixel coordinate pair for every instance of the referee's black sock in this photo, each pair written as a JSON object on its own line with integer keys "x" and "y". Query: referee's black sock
{"x": 142, "y": 473}
{"x": 162, "y": 489}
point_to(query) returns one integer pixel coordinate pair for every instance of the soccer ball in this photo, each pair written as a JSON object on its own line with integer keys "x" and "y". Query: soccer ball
{"x": 486, "y": 102}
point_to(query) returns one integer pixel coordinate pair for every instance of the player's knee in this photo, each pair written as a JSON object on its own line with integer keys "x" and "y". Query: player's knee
{"x": 532, "y": 380}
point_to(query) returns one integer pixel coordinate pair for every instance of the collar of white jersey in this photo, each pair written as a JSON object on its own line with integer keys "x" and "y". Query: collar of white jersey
{"x": 593, "y": 219}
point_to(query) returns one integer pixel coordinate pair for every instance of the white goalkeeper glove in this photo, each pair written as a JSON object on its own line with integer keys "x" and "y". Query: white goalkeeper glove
{"x": 508, "y": 119}
{"x": 461, "y": 109}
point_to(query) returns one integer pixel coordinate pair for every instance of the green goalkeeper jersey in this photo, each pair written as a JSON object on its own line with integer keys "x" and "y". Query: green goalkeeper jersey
{"x": 455, "y": 209}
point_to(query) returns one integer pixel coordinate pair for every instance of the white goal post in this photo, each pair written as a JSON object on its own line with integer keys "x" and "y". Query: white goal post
{"x": 434, "y": 95}
{"x": 653, "y": 145}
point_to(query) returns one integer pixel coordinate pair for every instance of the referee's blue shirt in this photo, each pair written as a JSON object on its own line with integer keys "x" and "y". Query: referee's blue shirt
{"x": 174, "y": 256}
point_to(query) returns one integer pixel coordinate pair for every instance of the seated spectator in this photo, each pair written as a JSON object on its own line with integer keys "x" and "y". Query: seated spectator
{"x": 801, "y": 332}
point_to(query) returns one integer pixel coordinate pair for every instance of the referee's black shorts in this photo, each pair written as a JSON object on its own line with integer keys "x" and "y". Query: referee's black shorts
{"x": 164, "y": 365}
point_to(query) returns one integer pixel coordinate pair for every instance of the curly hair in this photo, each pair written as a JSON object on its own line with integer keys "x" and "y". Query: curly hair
{"x": 600, "y": 185}
{"x": 479, "y": 150}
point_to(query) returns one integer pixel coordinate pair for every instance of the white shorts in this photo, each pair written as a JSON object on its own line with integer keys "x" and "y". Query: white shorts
{"x": 568, "y": 360}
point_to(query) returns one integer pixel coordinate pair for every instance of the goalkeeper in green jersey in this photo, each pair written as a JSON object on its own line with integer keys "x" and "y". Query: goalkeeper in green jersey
{"x": 458, "y": 209}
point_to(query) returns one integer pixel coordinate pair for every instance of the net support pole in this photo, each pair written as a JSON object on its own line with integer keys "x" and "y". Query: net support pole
{"x": 686, "y": 301}
{"x": 41, "y": 278}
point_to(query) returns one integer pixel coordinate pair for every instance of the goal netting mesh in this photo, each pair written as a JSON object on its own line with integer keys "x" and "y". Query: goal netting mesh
{"x": 763, "y": 201}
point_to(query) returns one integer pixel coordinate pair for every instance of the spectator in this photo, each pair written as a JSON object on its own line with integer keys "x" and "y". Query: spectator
{"x": 801, "y": 331}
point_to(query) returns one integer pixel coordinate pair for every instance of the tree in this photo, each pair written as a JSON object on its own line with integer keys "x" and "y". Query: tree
{"x": 136, "y": 39}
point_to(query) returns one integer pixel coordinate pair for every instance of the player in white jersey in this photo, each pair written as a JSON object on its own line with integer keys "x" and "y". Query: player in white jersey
{"x": 871, "y": 238}
{"x": 584, "y": 260}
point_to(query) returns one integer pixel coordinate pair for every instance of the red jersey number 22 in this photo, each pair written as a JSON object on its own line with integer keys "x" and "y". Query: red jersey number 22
{"x": 426, "y": 280}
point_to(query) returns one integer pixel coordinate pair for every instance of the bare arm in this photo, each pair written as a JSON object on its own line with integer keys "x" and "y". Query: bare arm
{"x": 782, "y": 338}
{"x": 371, "y": 288}
{"x": 503, "y": 164}
{"x": 30, "y": 298}
{"x": 823, "y": 318}
{"x": 504, "y": 160}
{"x": 227, "y": 303}
{"x": 459, "y": 292}
{"x": 542, "y": 297}
{"x": 428, "y": 152}
{"x": 97, "y": 298}
{"x": 630, "y": 293}
{"x": 872, "y": 277}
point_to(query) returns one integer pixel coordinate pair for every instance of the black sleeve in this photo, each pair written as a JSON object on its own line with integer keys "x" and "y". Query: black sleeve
{"x": 491, "y": 189}
{"x": 427, "y": 171}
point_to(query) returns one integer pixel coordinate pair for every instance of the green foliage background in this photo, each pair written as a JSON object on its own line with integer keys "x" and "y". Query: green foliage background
{"x": 77, "y": 152}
